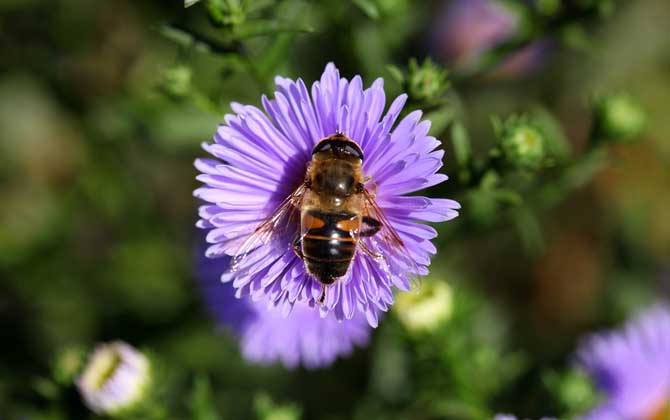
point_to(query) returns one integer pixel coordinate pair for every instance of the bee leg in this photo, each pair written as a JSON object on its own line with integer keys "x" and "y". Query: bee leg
{"x": 322, "y": 298}
{"x": 374, "y": 226}
{"x": 296, "y": 247}
{"x": 372, "y": 188}
{"x": 368, "y": 251}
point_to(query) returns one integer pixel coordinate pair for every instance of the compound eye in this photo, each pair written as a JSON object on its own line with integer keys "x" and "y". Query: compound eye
{"x": 324, "y": 146}
{"x": 353, "y": 150}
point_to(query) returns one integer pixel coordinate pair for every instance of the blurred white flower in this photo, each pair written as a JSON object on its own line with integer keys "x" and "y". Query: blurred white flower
{"x": 115, "y": 378}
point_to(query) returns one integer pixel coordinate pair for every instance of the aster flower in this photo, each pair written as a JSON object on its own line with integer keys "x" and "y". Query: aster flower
{"x": 631, "y": 368}
{"x": 114, "y": 379}
{"x": 511, "y": 417}
{"x": 466, "y": 29}
{"x": 267, "y": 337}
{"x": 261, "y": 159}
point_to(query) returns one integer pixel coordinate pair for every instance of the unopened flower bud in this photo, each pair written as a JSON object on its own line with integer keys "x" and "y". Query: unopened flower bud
{"x": 427, "y": 82}
{"x": 521, "y": 144}
{"x": 177, "y": 81}
{"x": 618, "y": 117}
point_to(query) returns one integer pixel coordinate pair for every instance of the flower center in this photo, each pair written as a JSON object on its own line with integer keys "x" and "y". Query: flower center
{"x": 662, "y": 412}
{"x": 108, "y": 370}
{"x": 102, "y": 368}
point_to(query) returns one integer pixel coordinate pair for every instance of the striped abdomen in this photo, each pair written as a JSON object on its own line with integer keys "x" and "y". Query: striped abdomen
{"x": 328, "y": 243}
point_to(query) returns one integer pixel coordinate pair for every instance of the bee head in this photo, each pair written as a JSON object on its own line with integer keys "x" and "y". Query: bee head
{"x": 338, "y": 145}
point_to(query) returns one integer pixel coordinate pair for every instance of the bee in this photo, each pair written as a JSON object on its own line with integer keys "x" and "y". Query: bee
{"x": 334, "y": 216}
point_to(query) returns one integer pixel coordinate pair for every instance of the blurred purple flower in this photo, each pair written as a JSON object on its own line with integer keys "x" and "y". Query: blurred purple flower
{"x": 523, "y": 61}
{"x": 267, "y": 337}
{"x": 265, "y": 161}
{"x": 466, "y": 29}
{"x": 631, "y": 367}
{"x": 511, "y": 417}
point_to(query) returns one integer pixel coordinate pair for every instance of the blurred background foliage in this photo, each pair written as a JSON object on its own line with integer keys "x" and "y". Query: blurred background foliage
{"x": 561, "y": 163}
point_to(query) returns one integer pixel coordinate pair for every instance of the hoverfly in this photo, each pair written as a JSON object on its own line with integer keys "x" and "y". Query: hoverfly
{"x": 334, "y": 216}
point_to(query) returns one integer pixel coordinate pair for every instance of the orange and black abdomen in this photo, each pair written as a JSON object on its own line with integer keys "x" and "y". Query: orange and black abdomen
{"x": 328, "y": 243}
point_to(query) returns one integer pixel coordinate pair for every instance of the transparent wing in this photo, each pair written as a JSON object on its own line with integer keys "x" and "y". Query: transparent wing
{"x": 389, "y": 250}
{"x": 279, "y": 223}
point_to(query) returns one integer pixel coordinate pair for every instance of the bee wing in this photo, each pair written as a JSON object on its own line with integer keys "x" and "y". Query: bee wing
{"x": 278, "y": 223}
{"x": 391, "y": 252}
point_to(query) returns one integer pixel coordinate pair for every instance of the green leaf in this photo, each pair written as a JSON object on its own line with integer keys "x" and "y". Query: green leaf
{"x": 556, "y": 142}
{"x": 189, "y": 3}
{"x": 574, "y": 176}
{"x": 498, "y": 125}
{"x": 548, "y": 7}
{"x": 368, "y": 7}
{"x": 396, "y": 73}
{"x": 440, "y": 119}
{"x": 266, "y": 409}
{"x": 263, "y": 27}
{"x": 529, "y": 228}
{"x": 258, "y": 5}
{"x": 273, "y": 60}
{"x": 508, "y": 196}
{"x": 461, "y": 142}
{"x": 482, "y": 207}
{"x": 490, "y": 180}
{"x": 189, "y": 39}
{"x": 575, "y": 36}
{"x": 202, "y": 403}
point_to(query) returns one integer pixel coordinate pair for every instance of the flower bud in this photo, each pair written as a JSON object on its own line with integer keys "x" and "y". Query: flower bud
{"x": 177, "y": 81}
{"x": 426, "y": 83}
{"x": 426, "y": 310}
{"x": 520, "y": 143}
{"x": 115, "y": 378}
{"x": 618, "y": 117}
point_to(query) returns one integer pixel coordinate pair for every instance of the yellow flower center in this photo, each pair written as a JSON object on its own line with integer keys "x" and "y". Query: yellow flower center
{"x": 663, "y": 410}
{"x": 102, "y": 367}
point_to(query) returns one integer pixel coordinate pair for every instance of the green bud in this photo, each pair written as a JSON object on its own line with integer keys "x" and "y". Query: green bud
{"x": 266, "y": 409}
{"x": 574, "y": 390}
{"x": 618, "y": 117}
{"x": 577, "y": 391}
{"x": 227, "y": 12}
{"x": 426, "y": 310}
{"x": 426, "y": 83}
{"x": 520, "y": 143}
{"x": 177, "y": 81}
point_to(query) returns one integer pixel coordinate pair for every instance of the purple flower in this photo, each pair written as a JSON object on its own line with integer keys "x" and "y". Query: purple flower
{"x": 631, "y": 367}
{"x": 267, "y": 337}
{"x": 116, "y": 378}
{"x": 511, "y": 417}
{"x": 467, "y": 29}
{"x": 262, "y": 158}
